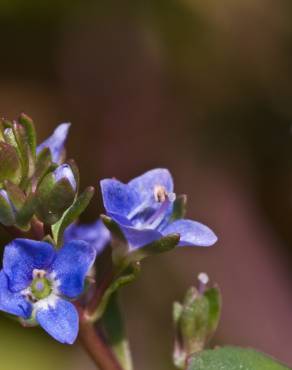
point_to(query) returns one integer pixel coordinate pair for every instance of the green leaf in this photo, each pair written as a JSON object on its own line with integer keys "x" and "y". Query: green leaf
{"x": 179, "y": 207}
{"x": 10, "y": 167}
{"x": 115, "y": 332}
{"x": 72, "y": 214}
{"x": 232, "y": 358}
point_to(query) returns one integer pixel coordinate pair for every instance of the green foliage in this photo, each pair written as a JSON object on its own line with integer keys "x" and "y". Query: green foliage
{"x": 232, "y": 358}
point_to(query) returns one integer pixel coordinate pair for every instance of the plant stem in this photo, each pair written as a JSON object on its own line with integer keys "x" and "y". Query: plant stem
{"x": 99, "y": 292}
{"x": 96, "y": 347}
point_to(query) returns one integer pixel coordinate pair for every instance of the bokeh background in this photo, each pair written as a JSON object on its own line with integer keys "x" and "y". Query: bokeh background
{"x": 203, "y": 87}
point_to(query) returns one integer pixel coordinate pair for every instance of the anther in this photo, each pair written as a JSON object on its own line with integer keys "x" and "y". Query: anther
{"x": 160, "y": 193}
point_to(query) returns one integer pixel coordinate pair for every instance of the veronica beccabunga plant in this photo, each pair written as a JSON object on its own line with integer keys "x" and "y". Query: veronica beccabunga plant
{"x": 48, "y": 275}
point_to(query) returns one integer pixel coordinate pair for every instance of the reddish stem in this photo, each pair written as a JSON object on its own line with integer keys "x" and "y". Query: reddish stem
{"x": 95, "y": 346}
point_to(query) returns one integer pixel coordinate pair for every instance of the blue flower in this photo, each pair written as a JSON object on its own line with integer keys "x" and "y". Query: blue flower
{"x": 143, "y": 208}
{"x": 56, "y": 142}
{"x": 96, "y": 234}
{"x": 37, "y": 282}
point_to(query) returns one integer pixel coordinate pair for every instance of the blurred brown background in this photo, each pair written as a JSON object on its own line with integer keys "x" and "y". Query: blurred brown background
{"x": 201, "y": 87}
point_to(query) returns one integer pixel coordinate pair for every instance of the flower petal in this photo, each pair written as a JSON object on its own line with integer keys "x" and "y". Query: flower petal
{"x": 118, "y": 197}
{"x": 56, "y": 142}
{"x": 139, "y": 237}
{"x": 60, "y": 321}
{"x": 21, "y": 256}
{"x": 13, "y": 303}
{"x": 71, "y": 266}
{"x": 96, "y": 234}
{"x": 192, "y": 233}
{"x": 144, "y": 185}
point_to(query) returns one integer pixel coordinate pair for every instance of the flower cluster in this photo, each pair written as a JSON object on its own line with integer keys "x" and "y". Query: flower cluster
{"x": 45, "y": 269}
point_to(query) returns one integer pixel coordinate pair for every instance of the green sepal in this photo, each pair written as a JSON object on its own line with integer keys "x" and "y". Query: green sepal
{"x": 16, "y": 195}
{"x": 26, "y": 156}
{"x": 164, "y": 244}
{"x": 43, "y": 166}
{"x": 214, "y": 297}
{"x": 30, "y": 132}
{"x": 10, "y": 166}
{"x": 47, "y": 238}
{"x": 28, "y": 323}
{"x": 7, "y": 215}
{"x": 72, "y": 214}
{"x": 115, "y": 333}
{"x": 233, "y": 358}
{"x": 179, "y": 208}
{"x": 120, "y": 247}
{"x": 54, "y": 198}
{"x": 121, "y": 251}
{"x": 129, "y": 275}
{"x": 26, "y": 212}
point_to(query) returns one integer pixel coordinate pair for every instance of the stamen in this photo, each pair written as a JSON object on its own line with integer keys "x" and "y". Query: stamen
{"x": 38, "y": 274}
{"x": 161, "y": 196}
{"x": 160, "y": 193}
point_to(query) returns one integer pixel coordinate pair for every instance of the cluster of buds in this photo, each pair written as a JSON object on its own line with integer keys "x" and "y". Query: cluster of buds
{"x": 35, "y": 186}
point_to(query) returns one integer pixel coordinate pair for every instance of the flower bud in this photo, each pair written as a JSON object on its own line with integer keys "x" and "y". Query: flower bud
{"x": 56, "y": 193}
{"x": 195, "y": 319}
{"x": 65, "y": 172}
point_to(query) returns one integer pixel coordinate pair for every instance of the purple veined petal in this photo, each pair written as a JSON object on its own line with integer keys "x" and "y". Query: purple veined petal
{"x": 21, "y": 256}
{"x": 96, "y": 234}
{"x": 138, "y": 238}
{"x": 72, "y": 264}
{"x": 117, "y": 197}
{"x": 61, "y": 321}
{"x": 56, "y": 142}
{"x": 65, "y": 171}
{"x": 192, "y": 233}
{"x": 13, "y": 303}
{"x": 144, "y": 185}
